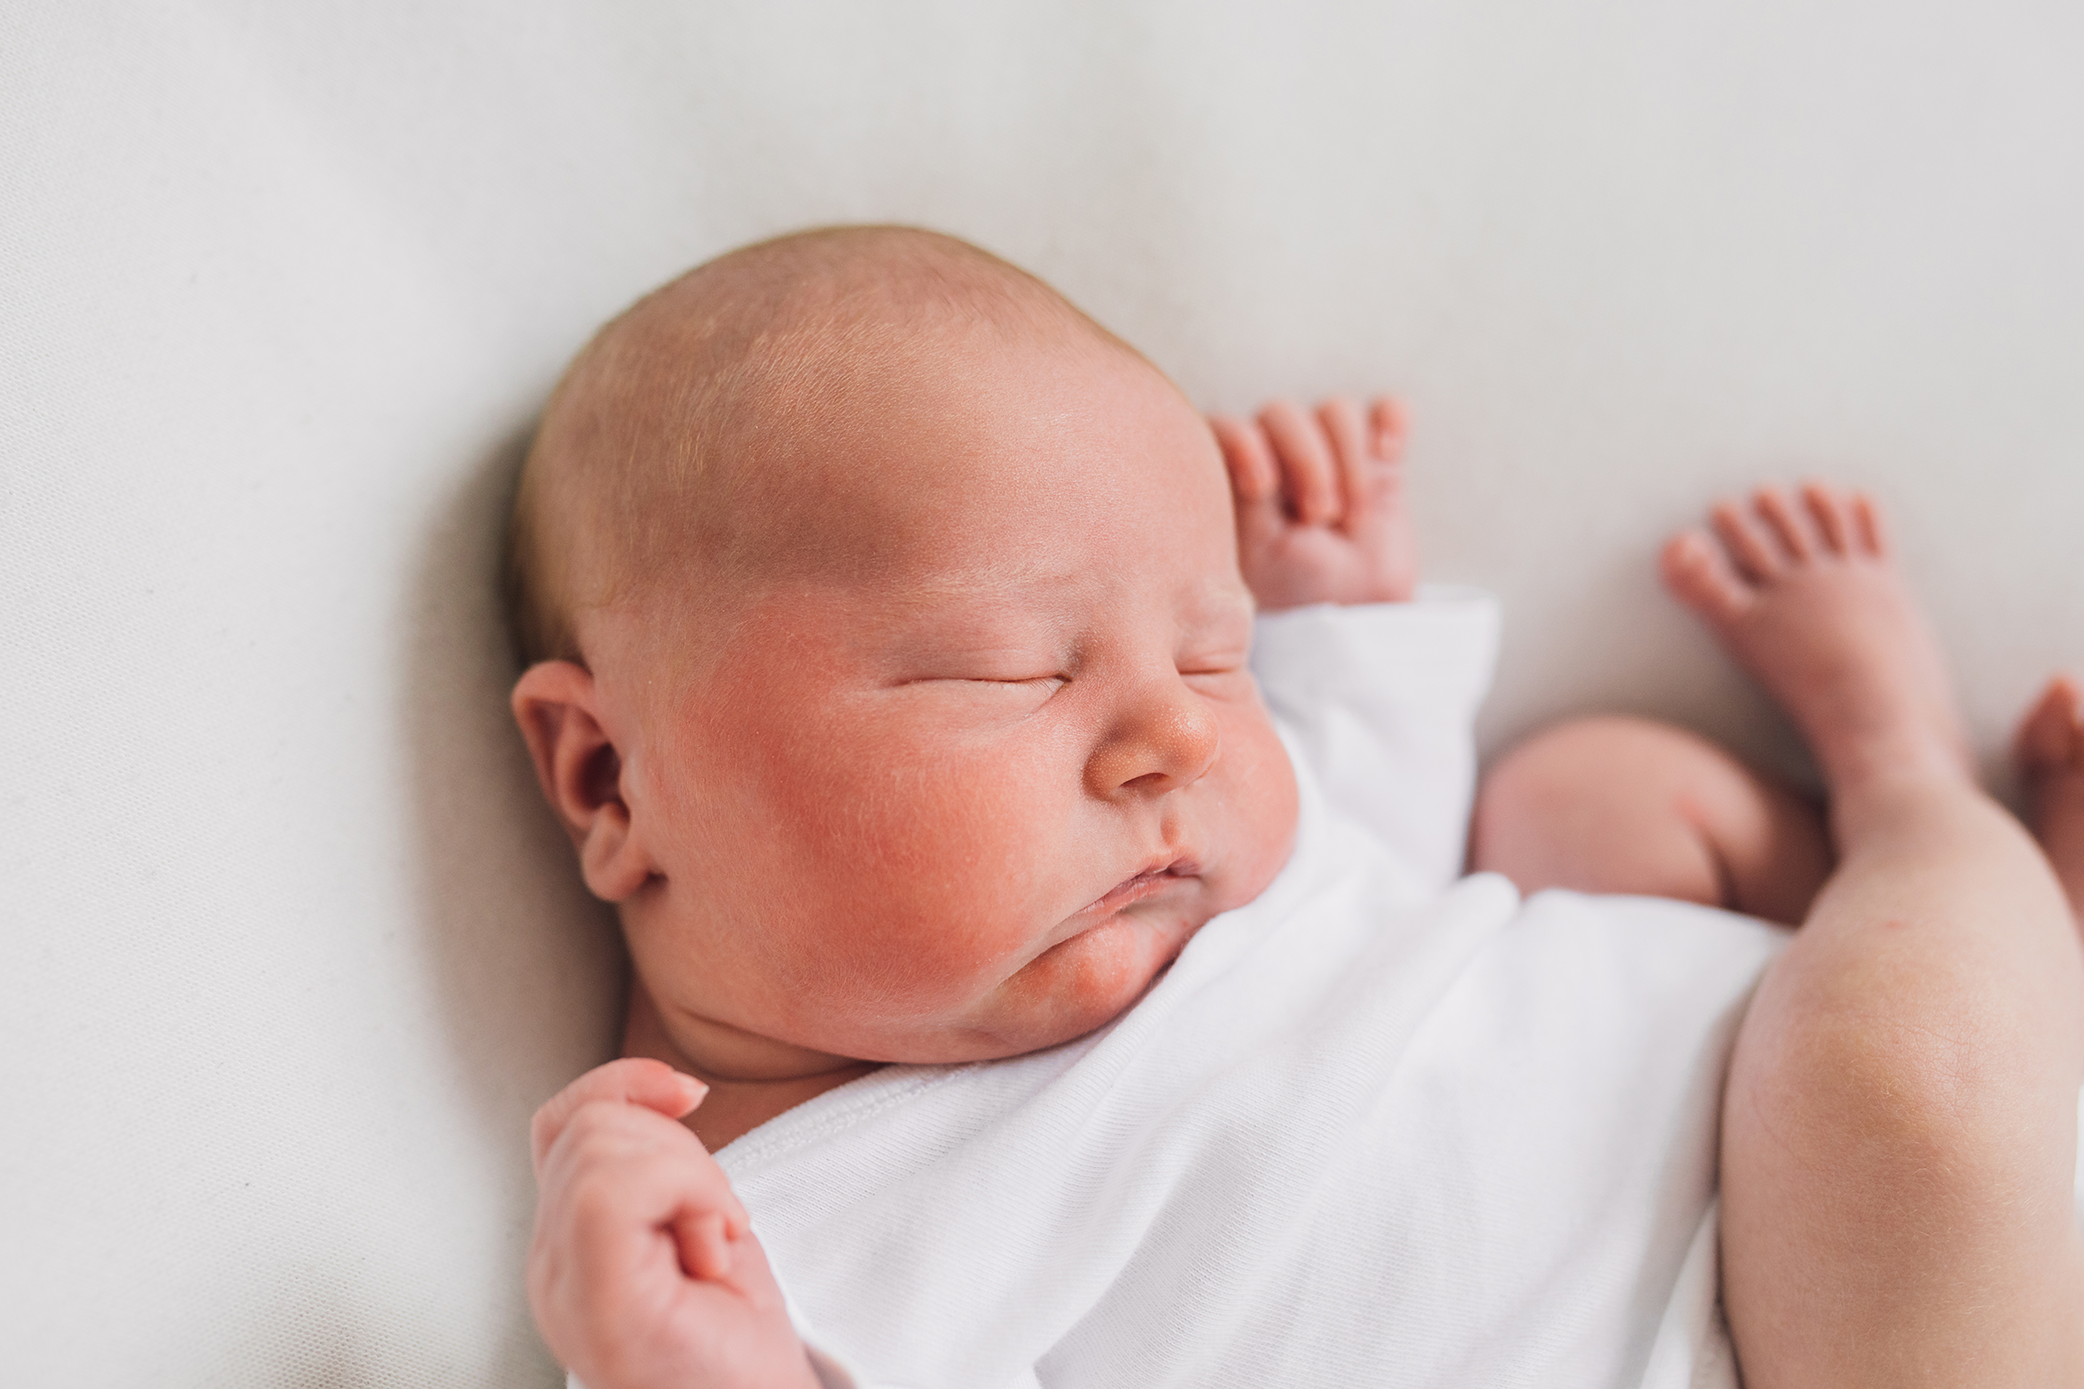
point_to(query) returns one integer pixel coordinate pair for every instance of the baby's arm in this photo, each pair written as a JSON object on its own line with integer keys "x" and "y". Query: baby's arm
{"x": 644, "y": 1271}
{"x": 1376, "y": 695}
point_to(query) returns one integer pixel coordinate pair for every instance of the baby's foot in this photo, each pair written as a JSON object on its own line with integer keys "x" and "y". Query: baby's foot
{"x": 2050, "y": 754}
{"x": 1803, "y": 593}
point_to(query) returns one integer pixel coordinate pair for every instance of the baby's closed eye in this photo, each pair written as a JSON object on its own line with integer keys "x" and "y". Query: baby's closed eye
{"x": 1212, "y": 662}
{"x": 1215, "y": 666}
{"x": 1048, "y": 683}
{"x": 986, "y": 693}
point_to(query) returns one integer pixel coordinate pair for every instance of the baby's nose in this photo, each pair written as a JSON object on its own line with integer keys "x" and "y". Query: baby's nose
{"x": 1165, "y": 738}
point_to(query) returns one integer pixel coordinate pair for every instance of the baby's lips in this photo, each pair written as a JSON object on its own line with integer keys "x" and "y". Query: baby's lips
{"x": 1147, "y": 881}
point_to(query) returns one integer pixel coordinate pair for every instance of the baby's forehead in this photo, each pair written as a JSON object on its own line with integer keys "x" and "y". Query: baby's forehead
{"x": 986, "y": 440}
{"x": 1010, "y": 538}
{"x": 858, "y": 407}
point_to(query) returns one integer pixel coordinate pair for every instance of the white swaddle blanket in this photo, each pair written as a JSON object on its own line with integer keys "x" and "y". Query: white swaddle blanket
{"x": 1378, "y": 1127}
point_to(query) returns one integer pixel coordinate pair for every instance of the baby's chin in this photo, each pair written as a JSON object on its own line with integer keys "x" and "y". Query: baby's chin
{"x": 1072, "y": 988}
{"x": 1092, "y": 978}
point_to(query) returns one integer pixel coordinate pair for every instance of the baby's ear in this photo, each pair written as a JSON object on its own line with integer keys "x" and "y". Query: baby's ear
{"x": 580, "y": 770}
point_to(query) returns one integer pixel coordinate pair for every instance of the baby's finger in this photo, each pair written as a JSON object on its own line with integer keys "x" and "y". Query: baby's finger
{"x": 705, "y": 1245}
{"x": 634, "y": 1080}
{"x": 1374, "y": 486}
{"x": 1308, "y": 474}
{"x": 1255, "y": 484}
{"x": 1253, "y": 477}
{"x": 750, "y": 1273}
{"x": 1341, "y": 422}
{"x": 1386, "y": 428}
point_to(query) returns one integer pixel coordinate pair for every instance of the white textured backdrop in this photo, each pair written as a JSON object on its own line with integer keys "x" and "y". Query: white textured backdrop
{"x": 287, "y": 954}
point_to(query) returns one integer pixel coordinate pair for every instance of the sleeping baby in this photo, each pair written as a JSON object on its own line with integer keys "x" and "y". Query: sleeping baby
{"x": 1038, "y": 822}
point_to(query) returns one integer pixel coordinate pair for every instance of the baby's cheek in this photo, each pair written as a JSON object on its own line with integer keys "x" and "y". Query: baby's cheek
{"x": 1257, "y": 784}
{"x": 947, "y": 866}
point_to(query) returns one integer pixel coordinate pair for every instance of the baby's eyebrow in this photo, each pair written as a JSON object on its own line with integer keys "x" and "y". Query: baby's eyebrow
{"x": 1006, "y": 581}
{"x": 1026, "y": 608}
{"x": 976, "y": 618}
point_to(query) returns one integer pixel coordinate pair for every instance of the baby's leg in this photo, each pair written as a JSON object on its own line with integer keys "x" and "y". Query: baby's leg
{"x": 1628, "y": 806}
{"x": 1900, "y": 1125}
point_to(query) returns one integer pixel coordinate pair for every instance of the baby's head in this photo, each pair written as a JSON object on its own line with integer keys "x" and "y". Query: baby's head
{"x": 887, "y": 651}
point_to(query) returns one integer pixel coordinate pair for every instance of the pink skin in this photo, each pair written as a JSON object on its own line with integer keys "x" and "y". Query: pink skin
{"x": 964, "y": 780}
{"x": 1868, "y": 688}
{"x": 1006, "y": 760}
{"x": 644, "y": 1273}
{"x": 960, "y": 784}
{"x": 1900, "y": 1117}
{"x": 1320, "y": 503}
{"x": 831, "y": 757}
{"x": 1802, "y": 590}
{"x": 2050, "y": 754}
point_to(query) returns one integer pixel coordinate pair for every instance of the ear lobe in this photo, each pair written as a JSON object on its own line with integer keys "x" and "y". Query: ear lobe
{"x": 579, "y": 768}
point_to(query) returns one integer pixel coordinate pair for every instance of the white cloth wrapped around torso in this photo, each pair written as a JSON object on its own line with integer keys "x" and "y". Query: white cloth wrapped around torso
{"x": 1379, "y": 1127}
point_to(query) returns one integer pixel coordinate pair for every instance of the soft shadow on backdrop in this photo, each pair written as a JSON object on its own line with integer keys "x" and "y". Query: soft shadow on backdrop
{"x": 513, "y": 939}
{"x": 515, "y": 945}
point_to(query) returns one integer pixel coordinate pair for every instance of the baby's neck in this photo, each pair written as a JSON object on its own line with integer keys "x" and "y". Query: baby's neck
{"x": 734, "y": 1106}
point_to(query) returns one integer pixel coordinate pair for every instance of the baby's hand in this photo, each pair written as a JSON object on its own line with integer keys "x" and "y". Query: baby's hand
{"x": 644, "y": 1273}
{"x": 1320, "y": 503}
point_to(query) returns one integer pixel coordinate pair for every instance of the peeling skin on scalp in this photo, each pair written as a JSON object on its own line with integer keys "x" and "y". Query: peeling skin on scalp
{"x": 927, "y": 698}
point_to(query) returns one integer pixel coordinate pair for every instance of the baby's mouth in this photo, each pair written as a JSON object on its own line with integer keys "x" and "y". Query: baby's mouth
{"x": 1148, "y": 883}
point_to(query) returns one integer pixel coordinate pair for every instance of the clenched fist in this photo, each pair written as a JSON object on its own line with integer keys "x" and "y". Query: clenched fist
{"x": 644, "y": 1273}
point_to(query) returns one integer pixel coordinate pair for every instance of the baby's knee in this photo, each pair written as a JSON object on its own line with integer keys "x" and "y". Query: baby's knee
{"x": 1628, "y": 805}
{"x": 1600, "y": 805}
{"x": 1601, "y": 758}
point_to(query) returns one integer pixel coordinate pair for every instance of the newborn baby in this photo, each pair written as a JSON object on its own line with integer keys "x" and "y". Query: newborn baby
{"x": 1067, "y": 1006}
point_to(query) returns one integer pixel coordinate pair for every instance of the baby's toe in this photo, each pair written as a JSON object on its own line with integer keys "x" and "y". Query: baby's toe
{"x": 1701, "y": 575}
{"x": 1787, "y": 523}
{"x": 1868, "y": 530}
{"x": 1756, "y": 554}
{"x": 2051, "y": 736}
{"x": 1831, "y": 513}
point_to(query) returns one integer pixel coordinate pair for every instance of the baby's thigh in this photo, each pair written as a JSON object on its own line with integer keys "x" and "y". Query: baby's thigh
{"x": 1626, "y": 805}
{"x": 1898, "y": 1184}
